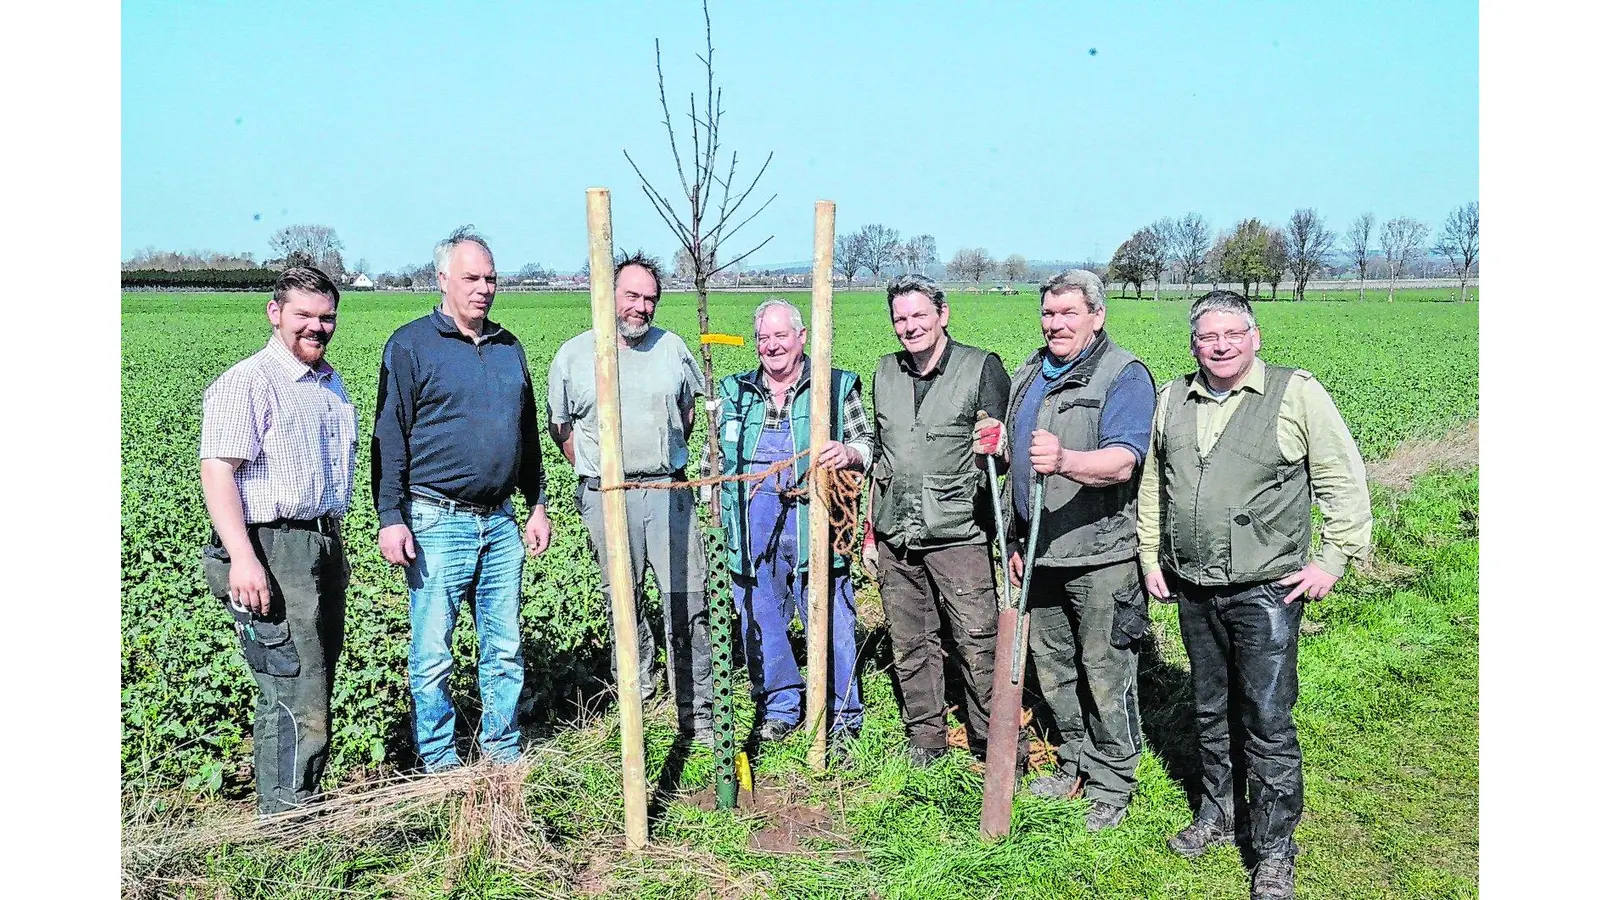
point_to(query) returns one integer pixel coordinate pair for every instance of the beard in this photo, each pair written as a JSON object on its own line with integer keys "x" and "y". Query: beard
{"x": 632, "y": 332}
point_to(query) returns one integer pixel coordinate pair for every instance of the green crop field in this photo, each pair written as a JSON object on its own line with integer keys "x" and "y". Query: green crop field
{"x": 1388, "y": 714}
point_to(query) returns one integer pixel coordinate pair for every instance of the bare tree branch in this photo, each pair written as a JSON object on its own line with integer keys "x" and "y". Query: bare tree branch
{"x": 741, "y": 257}
{"x": 735, "y": 229}
{"x": 666, "y": 119}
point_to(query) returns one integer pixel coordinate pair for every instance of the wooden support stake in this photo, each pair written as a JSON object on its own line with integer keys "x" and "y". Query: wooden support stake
{"x": 614, "y": 508}
{"x": 820, "y": 565}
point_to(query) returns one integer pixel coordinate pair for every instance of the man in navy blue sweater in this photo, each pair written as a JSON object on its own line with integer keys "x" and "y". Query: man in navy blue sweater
{"x": 457, "y": 431}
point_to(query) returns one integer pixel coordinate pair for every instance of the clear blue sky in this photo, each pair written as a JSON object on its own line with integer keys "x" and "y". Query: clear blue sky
{"x": 1048, "y": 129}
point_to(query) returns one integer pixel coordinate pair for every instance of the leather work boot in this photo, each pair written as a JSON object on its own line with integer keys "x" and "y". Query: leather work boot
{"x": 1192, "y": 842}
{"x": 1103, "y": 815}
{"x": 1056, "y": 787}
{"x": 1273, "y": 879}
{"x": 774, "y": 730}
{"x": 923, "y": 757}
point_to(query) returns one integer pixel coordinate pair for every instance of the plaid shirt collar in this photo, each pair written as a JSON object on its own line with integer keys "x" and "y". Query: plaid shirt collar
{"x": 291, "y": 366}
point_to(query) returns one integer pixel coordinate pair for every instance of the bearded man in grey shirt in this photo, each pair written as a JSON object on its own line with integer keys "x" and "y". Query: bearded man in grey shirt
{"x": 658, "y": 384}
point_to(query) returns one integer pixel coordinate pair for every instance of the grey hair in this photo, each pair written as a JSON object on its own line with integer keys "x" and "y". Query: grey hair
{"x": 777, "y": 303}
{"x": 918, "y": 284}
{"x": 443, "y": 249}
{"x": 1223, "y": 302}
{"x": 1083, "y": 281}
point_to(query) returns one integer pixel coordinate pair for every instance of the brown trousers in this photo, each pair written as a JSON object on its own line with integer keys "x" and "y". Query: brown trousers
{"x": 925, "y": 592}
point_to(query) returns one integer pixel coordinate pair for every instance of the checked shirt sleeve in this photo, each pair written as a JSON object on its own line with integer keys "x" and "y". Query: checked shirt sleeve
{"x": 857, "y": 429}
{"x": 232, "y": 419}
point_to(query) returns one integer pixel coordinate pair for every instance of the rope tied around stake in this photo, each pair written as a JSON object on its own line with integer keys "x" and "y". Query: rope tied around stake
{"x": 841, "y": 491}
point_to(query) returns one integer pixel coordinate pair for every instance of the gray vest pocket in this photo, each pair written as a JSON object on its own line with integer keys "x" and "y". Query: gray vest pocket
{"x": 1254, "y": 545}
{"x": 948, "y": 504}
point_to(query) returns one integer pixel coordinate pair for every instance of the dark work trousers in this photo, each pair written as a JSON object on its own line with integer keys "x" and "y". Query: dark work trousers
{"x": 770, "y": 599}
{"x": 919, "y": 588}
{"x": 292, "y": 652}
{"x": 1090, "y": 685}
{"x": 663, "y": 534}
{"x": 1243, "y": 642}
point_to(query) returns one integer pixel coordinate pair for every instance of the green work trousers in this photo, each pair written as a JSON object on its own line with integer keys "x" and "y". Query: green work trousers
{"x": 292, "y": 652}
{"x": 1077, "y": 619}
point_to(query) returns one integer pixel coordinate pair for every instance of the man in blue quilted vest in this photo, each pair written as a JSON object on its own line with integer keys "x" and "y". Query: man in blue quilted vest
{"x": 766, "y": 419}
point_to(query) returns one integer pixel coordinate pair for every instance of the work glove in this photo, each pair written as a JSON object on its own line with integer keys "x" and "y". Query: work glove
{"x": 869, "y": 554}
{"x": 988, "y": 435}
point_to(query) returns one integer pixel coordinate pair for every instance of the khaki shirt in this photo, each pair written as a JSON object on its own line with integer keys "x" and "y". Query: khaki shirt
{"x": 1309, "y": 428}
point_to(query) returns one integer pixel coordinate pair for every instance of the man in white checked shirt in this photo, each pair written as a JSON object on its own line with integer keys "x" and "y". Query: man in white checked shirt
{"x": 277, "y": 451}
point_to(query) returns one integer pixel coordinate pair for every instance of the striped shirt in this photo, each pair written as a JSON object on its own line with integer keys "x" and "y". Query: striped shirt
{"x": 295, "y": 429}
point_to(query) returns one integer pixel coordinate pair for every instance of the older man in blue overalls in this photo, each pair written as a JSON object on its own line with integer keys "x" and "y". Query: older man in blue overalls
{"x": 766, "y": 419}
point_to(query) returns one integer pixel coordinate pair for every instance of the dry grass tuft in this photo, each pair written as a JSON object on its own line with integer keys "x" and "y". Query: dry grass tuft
{"x": 492, "y": 819}
{"x": 1453, "y": 451}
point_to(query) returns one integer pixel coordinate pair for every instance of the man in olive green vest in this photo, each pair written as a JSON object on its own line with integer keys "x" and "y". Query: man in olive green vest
{"x": 1079, "y": 418}
{"x": 1239, "y": 449}
{"x": 932, "y": 515}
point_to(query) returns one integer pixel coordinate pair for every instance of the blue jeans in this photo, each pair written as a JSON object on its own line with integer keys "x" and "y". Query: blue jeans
{"x": 465, "y": 556}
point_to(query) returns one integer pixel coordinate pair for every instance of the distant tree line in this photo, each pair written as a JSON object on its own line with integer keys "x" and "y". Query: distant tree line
{"x": 257, "y": 279}
{"x": 1254, "y": 254}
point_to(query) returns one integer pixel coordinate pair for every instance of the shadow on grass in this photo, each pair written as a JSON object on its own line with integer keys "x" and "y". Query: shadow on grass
{"x": 666, "y": 787}
{"x": 1166, "y": 706}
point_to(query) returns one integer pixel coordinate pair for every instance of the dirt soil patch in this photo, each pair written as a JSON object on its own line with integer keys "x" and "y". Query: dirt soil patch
{"x": 788, "y": 823}
{"x": 1456, "y": 450}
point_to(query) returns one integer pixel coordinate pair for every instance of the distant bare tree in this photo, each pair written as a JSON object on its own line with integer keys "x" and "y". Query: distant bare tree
{"x": 921, "y": 252}
{"x": 849, "y": 255}
{"x": 981, "y": 263}
{"x": 1401, "y": 242}
{"x": 1358, "y": 241}
{"x": 970, "y": 264}
{"x": 317, "y": 243}
{"x": 1458, "y": 242}
{"x": 959, "y": 267}
{"x": 879, "y": 247}
{"x": 1193, "y": 239}
{"x": 683, "y": 264}
{"x": 709, "y": 221}
{"x": 1308, "y": 239}
{"x": 905, "y": 255}
{"x": 1015, "y": 267}
{"x": 1163, "y": 243}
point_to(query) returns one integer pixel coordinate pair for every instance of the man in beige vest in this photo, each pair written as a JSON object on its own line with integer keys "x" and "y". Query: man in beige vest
{"x": 1238, "y": 451}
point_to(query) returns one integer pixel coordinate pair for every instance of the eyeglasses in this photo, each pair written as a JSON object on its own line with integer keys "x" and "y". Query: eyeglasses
{"x": 1233, "y": 337}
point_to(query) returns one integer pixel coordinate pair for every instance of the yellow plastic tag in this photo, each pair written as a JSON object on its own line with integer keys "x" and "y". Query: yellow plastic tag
{"x": 741, "y": 764}
{"x": 732, "y": 340}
